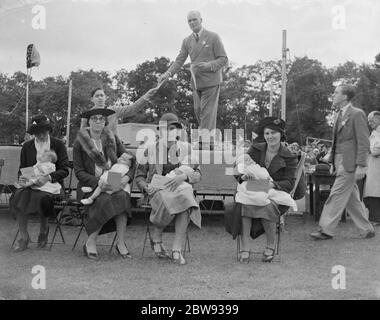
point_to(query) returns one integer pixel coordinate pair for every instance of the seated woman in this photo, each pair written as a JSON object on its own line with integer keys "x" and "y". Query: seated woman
{"x": 29, "y": 200}
{"x": 95, "y": 150}
{"x": 172, "y": 200}
{"x": 281, "y": 165}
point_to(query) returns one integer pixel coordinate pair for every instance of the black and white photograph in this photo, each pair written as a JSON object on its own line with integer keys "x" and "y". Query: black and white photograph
{"x": 187, "y": 156}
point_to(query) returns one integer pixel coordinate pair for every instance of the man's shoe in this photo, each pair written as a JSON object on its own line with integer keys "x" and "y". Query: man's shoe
{"x": 367, "y": 235}
{"x": 320, "y": 236}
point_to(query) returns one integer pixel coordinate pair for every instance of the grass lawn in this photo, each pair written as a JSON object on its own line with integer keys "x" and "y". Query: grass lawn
{"x": 303, "y": 270}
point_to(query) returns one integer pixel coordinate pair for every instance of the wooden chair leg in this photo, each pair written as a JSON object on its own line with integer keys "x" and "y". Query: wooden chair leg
{"x": 278, "y": 236}
{"x": 147, "y": 232}
{"x": 58, "y": 218}
{"x": 77, "y": 238}
{"x": 237, "y": 247}
{"x": 113, "y": 242}
{"x": 82, "y": 215}
{"x": 15, "y": 238}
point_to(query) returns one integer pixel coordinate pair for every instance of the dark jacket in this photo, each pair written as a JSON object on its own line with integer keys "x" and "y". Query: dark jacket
{"x": 85, "y": 156}
{"x": 28, "y": 158}
{"x": 152, "y": 166}
{"x": 282, "y": 168}
{"x": 283, "y": 172}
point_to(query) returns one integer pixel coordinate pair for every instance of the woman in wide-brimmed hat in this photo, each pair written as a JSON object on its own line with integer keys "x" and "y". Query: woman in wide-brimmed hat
{"x": 96, "y": 149}
{"x": 281, "y": 165}
{"x": 27, "y": 200}
{"x": 169, "y": 202}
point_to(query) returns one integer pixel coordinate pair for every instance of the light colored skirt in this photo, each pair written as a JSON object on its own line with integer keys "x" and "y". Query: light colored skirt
{"x": 166, "y": 204}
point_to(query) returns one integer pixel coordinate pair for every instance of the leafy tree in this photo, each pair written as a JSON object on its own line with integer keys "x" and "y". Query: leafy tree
{"x": 308, "y": 91}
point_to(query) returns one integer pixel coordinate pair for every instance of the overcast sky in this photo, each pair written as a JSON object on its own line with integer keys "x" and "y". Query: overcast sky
{"x": 111, "y": 34}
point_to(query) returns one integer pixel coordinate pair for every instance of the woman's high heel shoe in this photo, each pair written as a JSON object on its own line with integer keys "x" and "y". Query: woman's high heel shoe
{"x": 244, "y": 256}
{"x": 22, "y": 245}
{"x": 90, "y": 255}
{"x": 177, "y": 257}
{"x": 162, "y": 253}
{"x": 268, "y": 257}
{"x": 125, "y": 255}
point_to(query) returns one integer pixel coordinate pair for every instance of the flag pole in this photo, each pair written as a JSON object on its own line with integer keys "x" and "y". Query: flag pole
{"x": 69, "y": 114}
{"x": 283, "y": 85}
{"x": 27, "y": 100}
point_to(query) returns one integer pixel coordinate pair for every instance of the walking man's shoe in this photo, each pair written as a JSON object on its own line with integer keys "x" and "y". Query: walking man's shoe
{"x": 320, "y": 236}
{"x": 368, "y": 235}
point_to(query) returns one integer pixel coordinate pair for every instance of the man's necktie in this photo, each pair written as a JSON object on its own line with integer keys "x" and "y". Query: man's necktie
{"x": 196, "y": 37}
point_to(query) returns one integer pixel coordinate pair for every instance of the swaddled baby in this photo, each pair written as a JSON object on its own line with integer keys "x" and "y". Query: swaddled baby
{"x": 122, "y": 166}
{"x": 186, "y": 167}
{"x": 246, "y": 166}
{"x": 45, "y": 166}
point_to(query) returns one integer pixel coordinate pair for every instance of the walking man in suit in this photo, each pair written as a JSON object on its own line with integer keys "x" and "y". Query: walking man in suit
{"x": 208, "y": 57}
{"x": 349, "y": 157}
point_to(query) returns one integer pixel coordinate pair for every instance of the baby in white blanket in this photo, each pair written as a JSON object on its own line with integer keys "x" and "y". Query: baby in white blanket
{"x": 186, "y": 167}
{"x": 122, "y": 166}
{"x": 246, "y": 166}
{"x": 45, "y": 166}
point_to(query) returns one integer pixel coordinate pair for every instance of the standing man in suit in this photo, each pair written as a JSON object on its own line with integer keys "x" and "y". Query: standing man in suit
{"x": 208, "y": 57}
{"x": 349, "y": 157}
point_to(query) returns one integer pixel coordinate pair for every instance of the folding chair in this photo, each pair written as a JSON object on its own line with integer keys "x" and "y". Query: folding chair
{"x": 218, "y": 196}
{"x": 280, "y": 223}
{"x": 278, "y": 241}
{"x": 300, "y": 168}
{"x": 57, "y": 220}
{"x": 147, "y": 208}
{"x": 81, "y": 213}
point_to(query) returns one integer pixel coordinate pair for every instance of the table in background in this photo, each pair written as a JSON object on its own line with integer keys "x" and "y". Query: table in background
{"x": 314, "y": 181}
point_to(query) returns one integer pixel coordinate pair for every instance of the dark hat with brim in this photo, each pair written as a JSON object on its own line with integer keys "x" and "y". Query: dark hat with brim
{"x": 272, "y": 123}
{"x": 94, "y": 111}
{"x": 40, "y": 123}
{"x": 171, "y": 119}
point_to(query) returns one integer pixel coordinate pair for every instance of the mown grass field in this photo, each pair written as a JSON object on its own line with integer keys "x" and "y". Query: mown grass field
{"x": 303, "y": 270}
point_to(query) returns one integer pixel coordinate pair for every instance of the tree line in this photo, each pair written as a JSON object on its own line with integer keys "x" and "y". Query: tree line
{"x": 244, "y": 99}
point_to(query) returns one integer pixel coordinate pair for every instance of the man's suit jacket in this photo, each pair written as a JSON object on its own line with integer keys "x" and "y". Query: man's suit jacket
{"x": 209, "y": 48}
{"x": 351, "y": 139}
{"x": 29, "y": 153}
